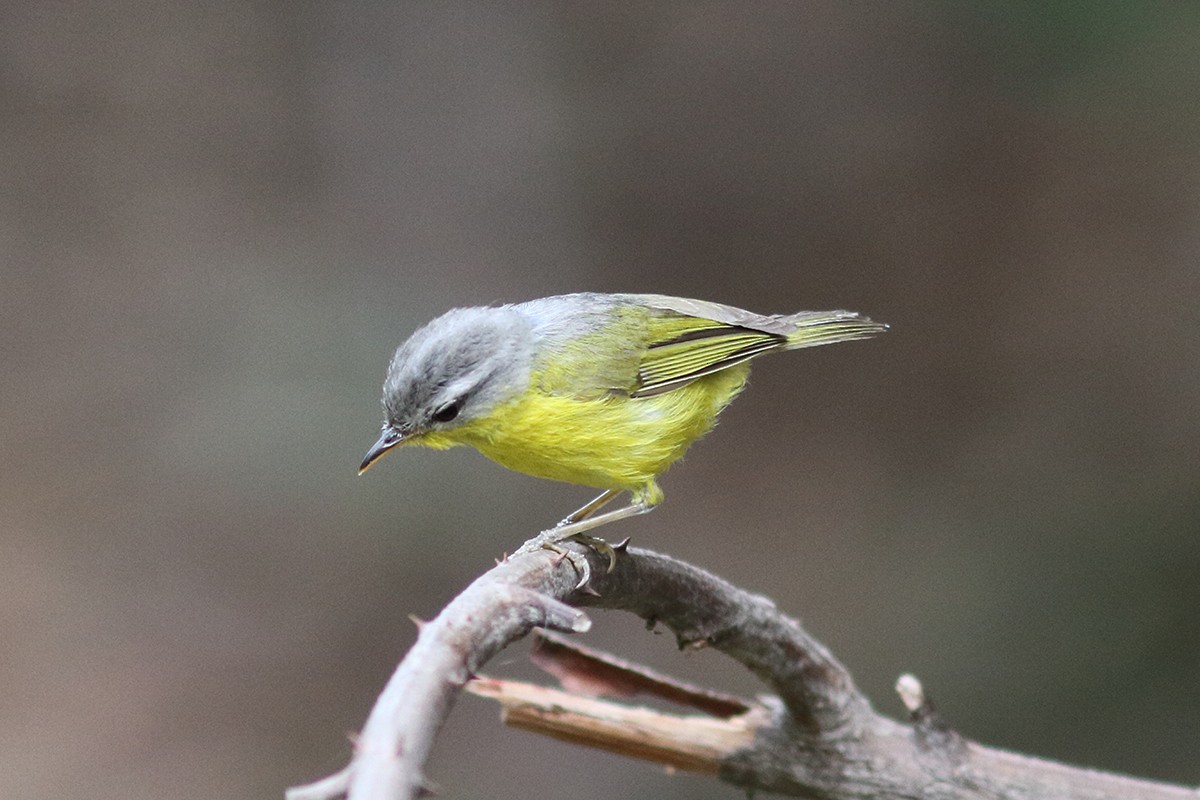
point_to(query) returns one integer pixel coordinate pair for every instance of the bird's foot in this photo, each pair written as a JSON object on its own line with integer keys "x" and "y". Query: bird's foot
{"x": 600, "y": 546}
{"x": 581, "y": 565}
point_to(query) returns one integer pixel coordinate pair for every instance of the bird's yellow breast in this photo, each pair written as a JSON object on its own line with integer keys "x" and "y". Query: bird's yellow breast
{"x": 609, "y": 442}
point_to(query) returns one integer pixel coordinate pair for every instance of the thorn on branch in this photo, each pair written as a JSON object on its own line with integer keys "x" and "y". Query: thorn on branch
{"x": 912, "y": 694}
{"x": 932, "y": 730}
{"x": 588, "y": 589}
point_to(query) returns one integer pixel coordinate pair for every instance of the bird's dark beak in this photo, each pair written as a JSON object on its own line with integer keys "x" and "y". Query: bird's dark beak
{"x": 387, "y": 440}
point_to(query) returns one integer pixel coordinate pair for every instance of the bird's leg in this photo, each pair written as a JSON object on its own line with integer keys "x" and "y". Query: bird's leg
{"x": 551, "y": 537}
{"x": 577, "y": 529}
{"x": 591, "y": 507}
{"x": 573, "y": 528}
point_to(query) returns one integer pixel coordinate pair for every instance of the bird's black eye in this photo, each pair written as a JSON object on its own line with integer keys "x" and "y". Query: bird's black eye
{"x": 449, "y": 411}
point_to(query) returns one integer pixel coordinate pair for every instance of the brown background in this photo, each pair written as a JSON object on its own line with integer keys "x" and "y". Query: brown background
{"x": 218, "y": 219}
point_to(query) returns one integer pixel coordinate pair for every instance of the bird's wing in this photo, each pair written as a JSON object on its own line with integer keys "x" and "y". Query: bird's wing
{"x": 681, "y": 347}
{"x": 646, "y": 344}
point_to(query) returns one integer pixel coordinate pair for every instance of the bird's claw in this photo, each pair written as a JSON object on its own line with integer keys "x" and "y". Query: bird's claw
{"x": 602, "y": 547}
{"x": 581, "y": 565}
{"x": 550, "y": 542}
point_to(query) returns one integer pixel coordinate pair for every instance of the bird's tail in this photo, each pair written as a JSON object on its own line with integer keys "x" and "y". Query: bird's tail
{"x": 825, "y": 327}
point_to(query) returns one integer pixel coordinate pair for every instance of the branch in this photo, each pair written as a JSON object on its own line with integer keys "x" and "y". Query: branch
{"x": 498, "y": 608}
{"x": 697, "y": 742}
{"x": 819, "y": 737}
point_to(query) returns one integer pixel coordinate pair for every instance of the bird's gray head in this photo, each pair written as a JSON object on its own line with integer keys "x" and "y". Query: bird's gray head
{"x": 453, "y": 370}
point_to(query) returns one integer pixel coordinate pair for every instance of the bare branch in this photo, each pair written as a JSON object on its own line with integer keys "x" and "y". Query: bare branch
{"x": 819, "y": 738}
{"x": 589, "y": 672}
{"x": 703, "y": 610}
{"x": 501, "y": 606}
{"x": 698, "y": 742}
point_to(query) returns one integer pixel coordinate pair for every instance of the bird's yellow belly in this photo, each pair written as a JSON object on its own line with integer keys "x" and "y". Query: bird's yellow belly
{"x": 611, "y": 442}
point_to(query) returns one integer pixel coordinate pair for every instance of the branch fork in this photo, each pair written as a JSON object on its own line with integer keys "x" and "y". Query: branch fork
{"x": 816, "y": 736}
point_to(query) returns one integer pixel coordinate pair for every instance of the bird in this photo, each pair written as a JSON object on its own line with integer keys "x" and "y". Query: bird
{"x": 600, "y": 390}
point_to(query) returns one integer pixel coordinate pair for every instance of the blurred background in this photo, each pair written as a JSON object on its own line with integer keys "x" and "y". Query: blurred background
{"x": 217, "y": 221}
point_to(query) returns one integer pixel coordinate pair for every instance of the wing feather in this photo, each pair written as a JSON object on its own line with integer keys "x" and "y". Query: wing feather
{"x": 682, "y": 349}
{"x": 641, "y": 345}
